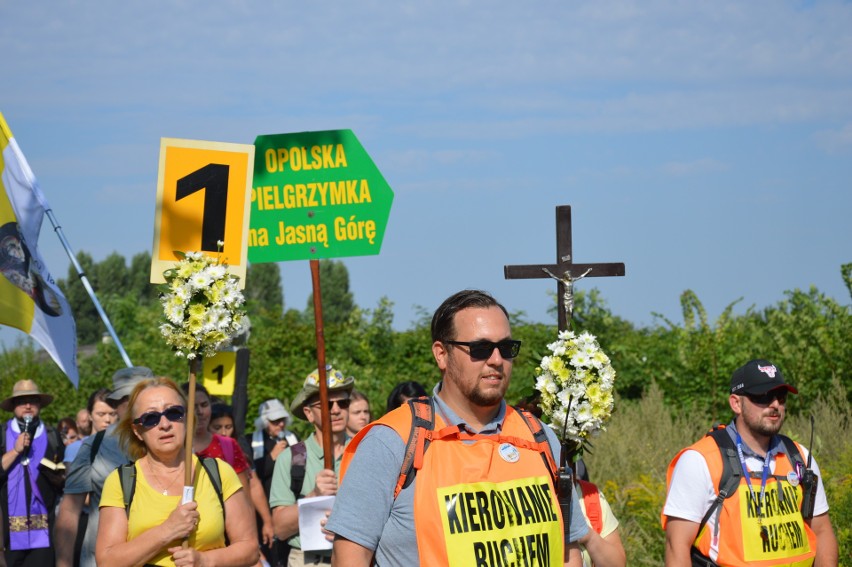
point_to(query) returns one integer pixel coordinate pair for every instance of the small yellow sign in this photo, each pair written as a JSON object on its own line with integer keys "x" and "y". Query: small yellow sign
{"x": 203, "y": 196}
{"x": 219, "y": 373}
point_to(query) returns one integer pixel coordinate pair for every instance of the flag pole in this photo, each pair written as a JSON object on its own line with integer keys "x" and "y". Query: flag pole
{"x": 82, "y": 275}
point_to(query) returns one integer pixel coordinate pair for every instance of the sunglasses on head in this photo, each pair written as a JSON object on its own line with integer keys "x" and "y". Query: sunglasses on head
{"x": 152, "y": 418}
{"x": 768, "y": 397}
{"x": 342, "y": 404}
{"x": 482, "y": 350}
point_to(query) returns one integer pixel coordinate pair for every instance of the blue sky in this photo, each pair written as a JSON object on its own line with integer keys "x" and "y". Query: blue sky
{"x": 708, "y": 146}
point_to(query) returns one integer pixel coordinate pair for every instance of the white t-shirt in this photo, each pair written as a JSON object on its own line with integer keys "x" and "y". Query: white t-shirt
{"x": 692, "y": 490}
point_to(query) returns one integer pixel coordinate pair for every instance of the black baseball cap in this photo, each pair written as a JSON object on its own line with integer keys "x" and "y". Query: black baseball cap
{"x": 758, "y": 377}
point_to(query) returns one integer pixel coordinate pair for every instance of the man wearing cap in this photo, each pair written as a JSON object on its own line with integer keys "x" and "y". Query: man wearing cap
{"x": 28, "y": 488}
{"x": 306, "y": 459}
{"x": 98, "y": 456}
{"x": 766, "y": 518}
{"x": 268, "y": 440}
{"x": 483, "y": 490}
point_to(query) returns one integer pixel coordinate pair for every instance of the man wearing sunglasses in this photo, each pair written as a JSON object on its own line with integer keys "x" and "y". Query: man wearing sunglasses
{"x": 99, "y": 455}
{"x": 300, "y": 469}
{"x": 483, "y": 493}
{"x": 775, "y": 511}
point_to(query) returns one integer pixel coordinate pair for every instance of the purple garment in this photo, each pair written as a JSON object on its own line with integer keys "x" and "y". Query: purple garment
{"x": 27, "y": 527}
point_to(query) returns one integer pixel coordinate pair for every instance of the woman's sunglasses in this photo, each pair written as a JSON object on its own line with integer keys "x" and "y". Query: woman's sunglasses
{"x": 152, "y": 418}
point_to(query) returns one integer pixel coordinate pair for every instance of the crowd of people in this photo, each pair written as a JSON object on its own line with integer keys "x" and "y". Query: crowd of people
{"x": 455, "y": 476}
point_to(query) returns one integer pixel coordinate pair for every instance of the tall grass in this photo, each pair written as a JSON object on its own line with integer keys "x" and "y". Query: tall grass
{"x": 630, "y": 459}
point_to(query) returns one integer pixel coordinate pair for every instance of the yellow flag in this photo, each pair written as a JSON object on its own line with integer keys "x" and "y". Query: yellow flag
{"x": 30, "y": 300}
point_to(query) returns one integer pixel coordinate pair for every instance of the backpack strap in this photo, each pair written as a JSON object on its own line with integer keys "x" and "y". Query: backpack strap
{"x": 298, "y": 463}
{"x": 127, "y": 476}
{"x": 211, "y": 467}
{"x": 540, "y": 437}
{"x": 96, "y": 445}
{"x": 731, "y": 471}
{"x": 592, "y": 504}
{"x": 422, "y": 423}
{"x": 793, "y": 452}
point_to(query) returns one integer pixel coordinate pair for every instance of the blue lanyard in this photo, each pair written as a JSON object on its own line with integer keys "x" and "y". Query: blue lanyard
{"x": 748, "y": 477}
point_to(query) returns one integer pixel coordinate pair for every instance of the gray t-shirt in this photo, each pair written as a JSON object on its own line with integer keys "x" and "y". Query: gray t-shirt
{"x": 86, "y": 477}
{"x": 366, "y": 512}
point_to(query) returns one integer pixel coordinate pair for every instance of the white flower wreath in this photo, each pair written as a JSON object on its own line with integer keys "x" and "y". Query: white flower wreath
{"x": 202, "y": 305}
{"x": 576, "y": 385}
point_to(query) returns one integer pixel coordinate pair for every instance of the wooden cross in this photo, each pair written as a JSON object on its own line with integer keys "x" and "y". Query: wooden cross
{"x": 564, "y": 270}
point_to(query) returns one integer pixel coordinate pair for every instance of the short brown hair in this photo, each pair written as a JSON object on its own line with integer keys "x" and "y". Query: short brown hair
{"x": 443, "y": 323}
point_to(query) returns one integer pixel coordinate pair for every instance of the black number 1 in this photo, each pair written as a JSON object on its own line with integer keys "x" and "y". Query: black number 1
{"x": 220, "y": 372}
{"x": 214, "y": 178}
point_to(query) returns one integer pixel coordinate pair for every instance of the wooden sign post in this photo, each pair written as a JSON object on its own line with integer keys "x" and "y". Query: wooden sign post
{"x": 565, "y": 271}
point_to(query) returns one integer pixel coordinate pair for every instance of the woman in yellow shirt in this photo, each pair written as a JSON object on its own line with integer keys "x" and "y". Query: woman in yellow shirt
{"x": 151, "y": 532}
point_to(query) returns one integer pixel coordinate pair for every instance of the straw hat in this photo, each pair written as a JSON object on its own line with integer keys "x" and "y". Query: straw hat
{"x": 24, "y": 388}
{"x": 335, "y": 380}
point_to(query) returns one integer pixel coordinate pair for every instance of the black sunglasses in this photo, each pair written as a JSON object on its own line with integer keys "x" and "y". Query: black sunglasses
{"x": 152, "y": 418}
{"x": 481, "y": 350}
{"x": 342, "y": 404}
{"x": 768, "y": 397}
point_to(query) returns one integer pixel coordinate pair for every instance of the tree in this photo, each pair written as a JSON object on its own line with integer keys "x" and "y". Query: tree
{"x": 110, "y": 276}
{"x": 337, "y": 301}
{"x": 263, "y": 292}
{"x": 86, "y": 317}
{"x": 139, "y": 279}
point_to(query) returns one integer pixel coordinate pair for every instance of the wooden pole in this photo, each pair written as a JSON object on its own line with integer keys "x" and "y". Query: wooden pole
{"x": 188, "y": 494}
{"x": 328, "y": 455}
{"x": 194, "y": 370}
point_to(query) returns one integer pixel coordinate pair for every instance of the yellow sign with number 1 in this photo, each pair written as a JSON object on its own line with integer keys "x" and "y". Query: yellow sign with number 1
{"x": 219, "y": 372}
{"x": 203, "y": 196}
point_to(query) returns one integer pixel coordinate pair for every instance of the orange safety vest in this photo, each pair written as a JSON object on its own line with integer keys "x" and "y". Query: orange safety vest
{"x": 487, "y": 501}
{"x": 790, "y": 540}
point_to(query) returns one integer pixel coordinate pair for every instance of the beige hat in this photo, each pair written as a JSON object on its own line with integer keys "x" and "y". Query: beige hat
{"x": 25, "y": 388}
{"x": 335, "y": 380}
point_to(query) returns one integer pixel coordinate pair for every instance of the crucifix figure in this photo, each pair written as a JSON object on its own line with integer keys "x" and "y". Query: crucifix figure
{"x": 565, "y": 271}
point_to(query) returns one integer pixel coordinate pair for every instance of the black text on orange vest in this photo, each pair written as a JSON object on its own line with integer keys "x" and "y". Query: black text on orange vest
{"x": 482, "y": 510}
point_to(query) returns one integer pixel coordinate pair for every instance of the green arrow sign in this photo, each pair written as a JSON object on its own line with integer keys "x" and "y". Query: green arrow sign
{"x": 316, "y": 195}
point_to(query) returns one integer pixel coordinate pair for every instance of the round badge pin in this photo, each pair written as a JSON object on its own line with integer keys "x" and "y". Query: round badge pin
{"x": 793, "y": 478}
{"x": 509, "y": 453}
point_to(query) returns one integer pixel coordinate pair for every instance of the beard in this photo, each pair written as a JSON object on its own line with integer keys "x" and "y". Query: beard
{"x": 485, "y": 398}
{"x": 760, "y": 426}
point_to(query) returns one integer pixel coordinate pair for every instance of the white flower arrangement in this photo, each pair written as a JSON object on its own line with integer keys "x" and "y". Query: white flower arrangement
{"x": 201, "y": 302}
{"x": 576, "y": 385}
